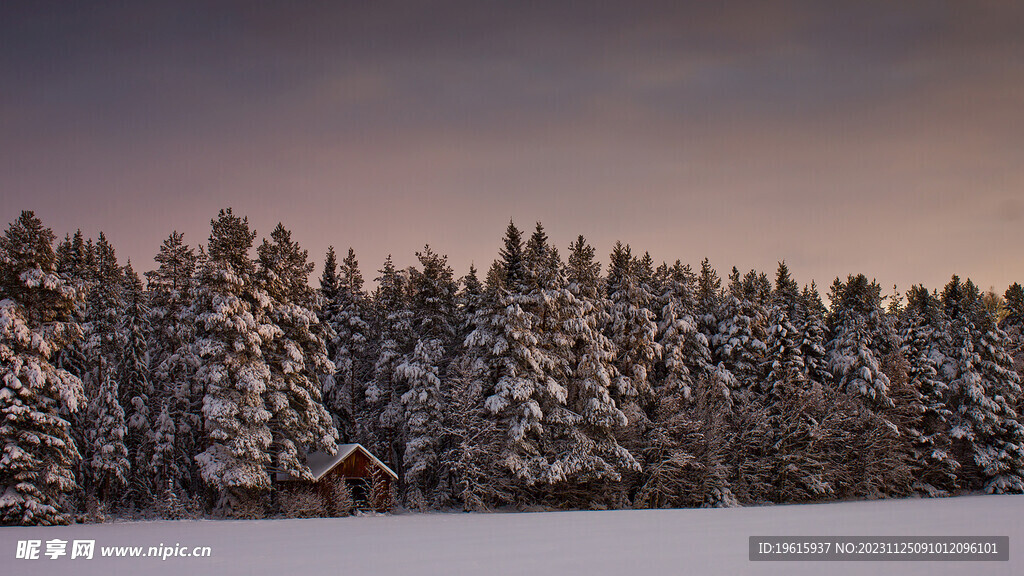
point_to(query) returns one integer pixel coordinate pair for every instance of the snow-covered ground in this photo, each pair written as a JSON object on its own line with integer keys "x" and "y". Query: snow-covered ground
{"x": 592, "y": 543}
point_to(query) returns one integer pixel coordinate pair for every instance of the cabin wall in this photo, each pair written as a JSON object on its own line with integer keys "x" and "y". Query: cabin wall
{"x": 358, "y": 465}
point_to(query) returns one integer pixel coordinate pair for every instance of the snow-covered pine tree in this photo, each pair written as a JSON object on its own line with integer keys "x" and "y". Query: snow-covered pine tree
{"x": 866, "y": 366}
{"x": 645, "y": 275}
{"x": 814, "y": 332}
{"x": 328, "y": 286}
{"x": 468, "y": 301}
{"x": 686, "y": 350}
{"x": 738, "y": 339}
{"x": 108, "y": 466}
{"x": 686, "y": 445}
{"x": 922, "y": 332}
{"x": 709, "y": 302}
{"x": 73, "y": 260}
{"x": 593, "y": 359}
{"x": 176, "y": 402}
{"x": 134, "y": 386}
{"x": 74, "y": 263}
{"x": 553, "y": 309}
{"x": 327, "y": 308}
{"x": 594, "y": 456}
{"x": 384, "y": 418}
{"x": 354, "y": 367}
{"x": 231, "y": 333}
{"x": 986, "y": 432}
{"x": 631, "y": 327}
{"x": 104, "y": 308}
{"x": 895, "y": 308}
{"x": 785, "y": 459}
{"x": 511, "y": 258}
{"x": 494, "y": 282}
{"x": 1002, "y": 460}
{"x": 1014, "y": 302}
{"x": 861, "y": 335}
{"x": 531, "y": 397}
{"x": 474, "y": 441}
{"x": 479, "y": 439}
{"x": 1013, "y": 324}
{"x": 509, "y": 360}
{"x": 296, "y": 358}
{"x": 787, "y": 372}
{"x": 760, "y": 286}
{"x": 37, "y": 308}
{"x": 463, "y": 417}
{"x": 423, "y": 373}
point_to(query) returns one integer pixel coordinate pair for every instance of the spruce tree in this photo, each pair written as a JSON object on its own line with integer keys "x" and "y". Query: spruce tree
{"x": 785, "y": 450}
{"x": 231, "y": 334}
{"x": 1003, "y": 459}
{"x": 631, "y": 327}
{"x": 861, "y": 336}
{"x": 686, "y": 445}
{"x": 135, "y": 389}
{"x": 469, "y": 300}
{"x": 37, "y": 308}
{"x": 478, "y": 438}
{"x": 105, "y": 306}
{"x": 509, "y": 359}
{"x": 474, "y": 441}
{"x": 546, "y": 305}
{"x": 176, "y": 403}
{"x": 350, "y": 344}
{"x": 385, "y": 415}
{"x": 923, "y": 329}
{"x": 329, "y": 284}
{"x": 72, "y": 259}
{"x": 814, "y": 332}
{"x": 423, "y": 373}
{"x": 738, "y": 338}
{"x": 988, "y": 438}
{"x": 103, "y": 343}
{"x": 495, "y": 279}
{"x": 1014, "y": 299}
{"x": 786, "y": 366}
{"x": 511, "y": 257}
{"x": 686, "y": 351}
{"x": 1013, "y": 325}
{"x": 591, "y": 443}
{"x": 74, "y": 263}
{"x": 295, "y": 358}
{"x": 108, "y": 466}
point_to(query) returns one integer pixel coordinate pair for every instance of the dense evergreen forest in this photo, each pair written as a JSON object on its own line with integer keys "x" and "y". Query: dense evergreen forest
{"x": 550, "y": 382}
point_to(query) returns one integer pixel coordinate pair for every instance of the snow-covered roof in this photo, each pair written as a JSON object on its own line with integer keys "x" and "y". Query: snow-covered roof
{"x": 320, "y": 463}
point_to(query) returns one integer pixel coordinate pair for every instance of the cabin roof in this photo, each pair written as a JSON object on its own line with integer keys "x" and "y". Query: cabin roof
{"x": 320, "y": 463}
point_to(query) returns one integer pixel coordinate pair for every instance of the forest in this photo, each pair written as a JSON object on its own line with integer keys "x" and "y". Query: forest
{"x": 543, "y": 383}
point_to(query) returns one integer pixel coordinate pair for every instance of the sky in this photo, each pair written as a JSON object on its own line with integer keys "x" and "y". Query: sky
{"x": 883, "y": 138}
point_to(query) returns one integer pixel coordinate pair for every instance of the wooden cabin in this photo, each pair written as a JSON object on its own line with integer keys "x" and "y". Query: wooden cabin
{"x": 359, "y": 469}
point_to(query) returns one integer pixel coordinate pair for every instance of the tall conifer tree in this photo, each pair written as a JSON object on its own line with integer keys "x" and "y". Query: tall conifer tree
{"x": 296, "y": 357}
{"x": 423, "y": 371}
{"x": 176, "y": 403}
{"x": 135, "y": 388}
{"x": 385, "y": 415}
{"x": 37, "y": 308}
{"x": 231, "y": 335}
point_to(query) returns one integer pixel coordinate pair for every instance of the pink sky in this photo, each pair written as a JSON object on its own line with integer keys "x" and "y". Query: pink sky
{"x": 874, "y": 138}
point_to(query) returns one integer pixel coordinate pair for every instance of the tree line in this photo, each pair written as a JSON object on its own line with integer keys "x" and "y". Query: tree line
{"x": 549, "y": 383}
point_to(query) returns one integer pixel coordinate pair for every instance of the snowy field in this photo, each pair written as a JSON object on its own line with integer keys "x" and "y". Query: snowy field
{"x": 617, "y": 543}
